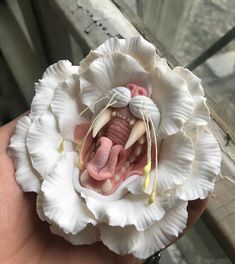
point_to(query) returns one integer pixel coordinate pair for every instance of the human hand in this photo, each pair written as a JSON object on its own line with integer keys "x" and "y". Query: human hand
{"x": 25, "y": 239}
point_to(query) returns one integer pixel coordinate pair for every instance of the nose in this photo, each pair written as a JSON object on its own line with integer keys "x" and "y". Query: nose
{"x": 136, "y": 90}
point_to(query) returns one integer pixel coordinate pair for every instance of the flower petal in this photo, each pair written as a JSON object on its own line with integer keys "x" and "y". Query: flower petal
{"x": 45, "y": 88}
{"x": 43, "y": 143}
{"x": 25, "y": 175}
{"x": 62, "y": 205}
{"x": 205, "y": 168}
{"x": 137, "y": 47}
{"x": 193, "y": 82}
{"x": 175, "y": 161}
{"x": 130, "y": 210}
{"x": 109, "y": 72}
{"x": 142, "y": 244}
{"x": 201, "y": 114}
{"x": 173, "y": 100}
{"x": 88, "y": 235}
{"x": 66, "y": 107}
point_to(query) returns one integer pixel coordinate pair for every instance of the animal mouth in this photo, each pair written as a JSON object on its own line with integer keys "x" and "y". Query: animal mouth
{"x": 114, "y": 150}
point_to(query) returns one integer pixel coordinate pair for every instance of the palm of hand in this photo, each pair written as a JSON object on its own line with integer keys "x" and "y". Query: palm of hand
{"x": 25, "y": 239}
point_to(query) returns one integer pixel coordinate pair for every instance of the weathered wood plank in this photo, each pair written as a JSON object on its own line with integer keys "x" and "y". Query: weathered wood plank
{"x": 92, "y": 22}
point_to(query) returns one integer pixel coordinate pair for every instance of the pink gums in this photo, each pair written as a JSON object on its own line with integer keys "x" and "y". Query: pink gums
{"x": 106, "y": 163}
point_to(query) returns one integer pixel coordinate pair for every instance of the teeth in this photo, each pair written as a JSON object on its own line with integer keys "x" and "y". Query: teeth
{"x": 132, "y": 158}
{"x": 132, "y": 122}
{"x": 114, "y": 113}
{"x": 137, "y": 150}
{"x": 117, "y": 177}
{"x": 101, "y": 121}
{"x": 107, "y": 186}
{"x": 137, "y": 131}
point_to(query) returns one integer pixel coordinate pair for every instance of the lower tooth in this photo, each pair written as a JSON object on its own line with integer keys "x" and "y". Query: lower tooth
{"x": 137, "y": 150}
{"x": 84, "y": 177}
{"x": 117, "y": 178}
{"x": 107, "y": 186}
{"x": 132, "y": 159}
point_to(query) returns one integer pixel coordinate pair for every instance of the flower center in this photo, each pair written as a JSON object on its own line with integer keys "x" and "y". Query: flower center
{"x": 116, "y": 146}
{"x": 107, "y": 161}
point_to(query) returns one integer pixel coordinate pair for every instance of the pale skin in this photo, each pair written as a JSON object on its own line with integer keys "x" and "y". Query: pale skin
{"x": 26, "y": 239}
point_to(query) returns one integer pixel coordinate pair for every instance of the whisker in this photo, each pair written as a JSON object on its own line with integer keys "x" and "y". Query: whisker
{"x": 83, "y": 111}
{"x": 110, "y": 103}
{"x": 147, "y": 167}
{"x": 152, "y": 197}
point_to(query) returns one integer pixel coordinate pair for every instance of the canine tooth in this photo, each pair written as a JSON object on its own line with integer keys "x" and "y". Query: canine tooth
{"x": 84, "y": 176}
{"x": 101, "y": 121}
{"x": 137, "y": 131}
{"x": 107, "y": 186}
{"x": 114, "y": 113}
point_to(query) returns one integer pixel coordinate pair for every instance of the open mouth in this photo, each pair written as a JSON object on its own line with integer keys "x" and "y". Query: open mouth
{"x": 115, "y": 147}
{"x": 114, "y": 150}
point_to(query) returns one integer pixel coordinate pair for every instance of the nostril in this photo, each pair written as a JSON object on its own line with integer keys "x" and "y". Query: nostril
{"x": 136, "y": 90}
{"x": 130, "y": 86}
{"x": 140, "y": 92}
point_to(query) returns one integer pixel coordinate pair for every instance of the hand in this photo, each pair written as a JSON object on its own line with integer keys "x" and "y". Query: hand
{"x": 24, "y": 238}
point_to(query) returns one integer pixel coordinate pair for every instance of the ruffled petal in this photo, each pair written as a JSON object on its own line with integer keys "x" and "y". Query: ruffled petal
{"x": 205, "y": 168}
{"x": 45, "y": 88}
{"x": 173, "y": 100}
{"x": 193, "y": 82}
{"x": 201, "y": 114}
{"x": 137, "y": 47}
{"x": 142, "y": 244}
{"x": 44, "y": 144}
{"x": 175, "y": 161}
{"x": 66, "y": 107}
{"x": 130, "y": 210}
{"x": 25, "y": 175}
{"x": 88, "y": 235}
{"x": 109, "y": 72}
{"x": 62, "y": 205}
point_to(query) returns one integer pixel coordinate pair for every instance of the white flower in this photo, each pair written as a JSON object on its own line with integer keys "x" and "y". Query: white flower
{"x": 124, "y": 174}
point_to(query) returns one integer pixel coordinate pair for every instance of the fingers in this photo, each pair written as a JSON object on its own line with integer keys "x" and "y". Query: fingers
{"x": 195, "y": 210}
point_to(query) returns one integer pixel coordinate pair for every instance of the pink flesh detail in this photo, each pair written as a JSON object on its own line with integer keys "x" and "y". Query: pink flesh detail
{"x": 136, "y": 90}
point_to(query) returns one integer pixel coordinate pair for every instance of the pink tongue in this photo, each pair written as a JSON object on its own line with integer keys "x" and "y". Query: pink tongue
{"x": 102, "y": 165}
